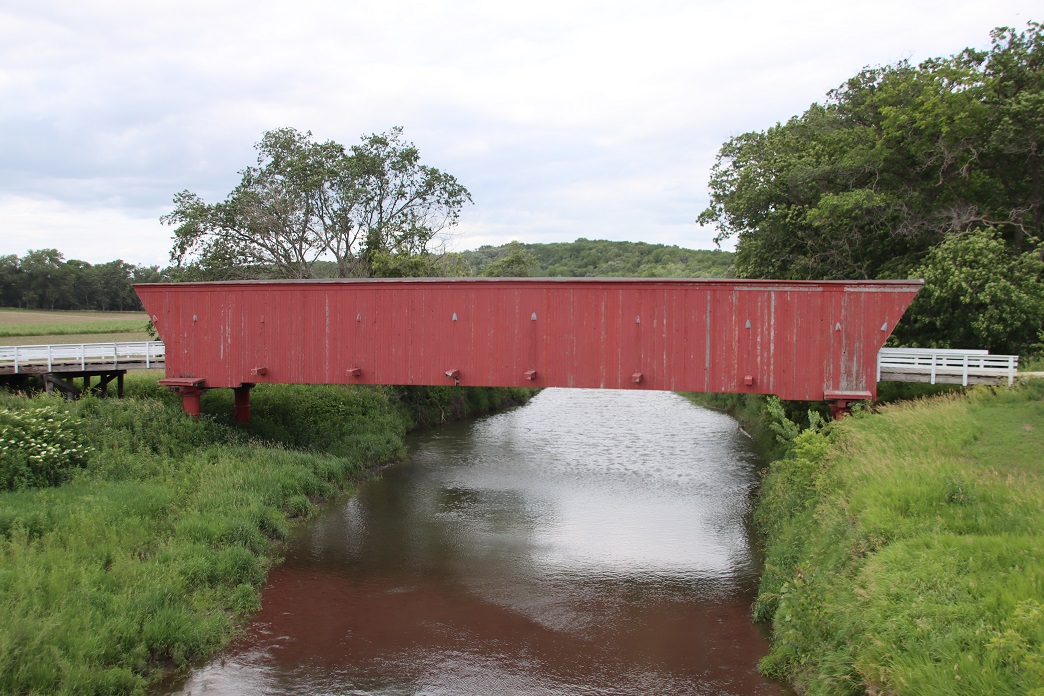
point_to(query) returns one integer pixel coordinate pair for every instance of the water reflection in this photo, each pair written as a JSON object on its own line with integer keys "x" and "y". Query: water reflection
{"x": 592, "y": 542}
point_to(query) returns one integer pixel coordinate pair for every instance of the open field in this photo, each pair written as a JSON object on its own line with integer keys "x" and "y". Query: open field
{"x": 74, "y": 338}
{"x": 9, "y": 316}
{"x": 20, "y": 322}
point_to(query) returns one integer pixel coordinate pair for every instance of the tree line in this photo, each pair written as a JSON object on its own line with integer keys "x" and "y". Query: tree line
{"x": 932, "y": 171}
{"x": 44, "y": 279}
{"x": 598, "y": 258}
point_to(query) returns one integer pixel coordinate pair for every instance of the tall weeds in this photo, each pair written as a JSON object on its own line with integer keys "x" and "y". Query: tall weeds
{"x": 905, "y": 550}
{"x": 157, "y": 543}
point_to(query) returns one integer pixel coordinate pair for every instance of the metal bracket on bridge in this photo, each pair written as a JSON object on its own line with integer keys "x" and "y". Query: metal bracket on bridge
{"x": 841, "y": 401}
{"x": 190, "y": 388}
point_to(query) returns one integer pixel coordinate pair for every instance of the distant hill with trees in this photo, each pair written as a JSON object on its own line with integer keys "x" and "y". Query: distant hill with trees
{"x": 594, "y": 258}
{"x": 45, "y": 279}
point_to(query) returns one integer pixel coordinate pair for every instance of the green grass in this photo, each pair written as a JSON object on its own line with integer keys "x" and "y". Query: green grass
{"x": 153, "y": 553}
{"x": 30, "y": 317}
{"x": 905, "y": 550}
{"x": 74, "y": 338}
{"x": 77, "y": 328}
{"x": 1032, "y": 363}
{"x": 21, "y": 322}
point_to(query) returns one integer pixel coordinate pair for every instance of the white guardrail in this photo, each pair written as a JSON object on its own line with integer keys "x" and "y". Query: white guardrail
{"x": 84, "y": 354}
{"x": 952, "y": 363}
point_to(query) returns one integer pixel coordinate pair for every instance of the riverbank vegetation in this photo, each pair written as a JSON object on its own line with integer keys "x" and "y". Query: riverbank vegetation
{"x": 905, "y": 549}
{"x": 133, "y": 539}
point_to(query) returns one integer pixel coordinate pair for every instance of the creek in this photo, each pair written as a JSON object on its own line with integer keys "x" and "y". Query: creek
{"x": 590, "y": 542}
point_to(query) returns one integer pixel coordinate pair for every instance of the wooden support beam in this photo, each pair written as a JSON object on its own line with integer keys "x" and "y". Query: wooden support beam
{"x": 52, "y": 380}
{"x": 102, "y": 388}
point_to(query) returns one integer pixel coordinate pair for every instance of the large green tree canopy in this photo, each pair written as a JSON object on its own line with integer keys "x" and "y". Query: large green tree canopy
{"x": 370, "y": 209}
{"x": 898, "y": 159}
{"x": 932, "y": 171}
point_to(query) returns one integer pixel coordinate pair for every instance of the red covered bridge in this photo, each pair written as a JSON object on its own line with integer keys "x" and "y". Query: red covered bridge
{"x": 809, "y": 340}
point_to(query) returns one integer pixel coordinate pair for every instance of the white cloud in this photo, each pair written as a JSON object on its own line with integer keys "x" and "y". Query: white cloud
{"x": 565, "y": 119}
{"x": 95, "y": 235}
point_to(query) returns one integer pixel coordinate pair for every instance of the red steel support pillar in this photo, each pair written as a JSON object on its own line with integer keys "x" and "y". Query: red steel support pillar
{"x": 190, "y": 401}
{"x": 840, "y": 408}
{"x": 190, "y": 388}
{"x": 242, "y": 393}
{"x": 841, "y": 401}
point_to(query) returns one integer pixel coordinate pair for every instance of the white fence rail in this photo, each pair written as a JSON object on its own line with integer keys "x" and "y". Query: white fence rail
{"x": 942, "y": 365}
{"x": 84, "y": 354}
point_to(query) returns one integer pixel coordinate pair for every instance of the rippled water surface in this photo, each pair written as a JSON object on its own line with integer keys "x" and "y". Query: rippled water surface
{"x": 591, "y": 542}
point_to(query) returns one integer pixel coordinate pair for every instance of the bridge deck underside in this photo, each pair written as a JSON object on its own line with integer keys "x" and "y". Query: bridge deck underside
{"x": 921, "y": 375}
{"x": 90, "y": 367}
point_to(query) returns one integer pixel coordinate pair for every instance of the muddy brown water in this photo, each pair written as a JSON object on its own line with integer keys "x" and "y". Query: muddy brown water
{"x": 590, "y": 542}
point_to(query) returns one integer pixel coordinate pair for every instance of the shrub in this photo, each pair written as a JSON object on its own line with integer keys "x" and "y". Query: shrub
{"x": 39, "y": 446}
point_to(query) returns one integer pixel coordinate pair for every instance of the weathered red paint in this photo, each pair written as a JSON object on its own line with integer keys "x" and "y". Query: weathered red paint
{"x": 798, "y": 340}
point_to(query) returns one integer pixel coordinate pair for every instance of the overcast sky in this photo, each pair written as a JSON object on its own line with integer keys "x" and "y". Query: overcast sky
{"x": 564, "y": 118}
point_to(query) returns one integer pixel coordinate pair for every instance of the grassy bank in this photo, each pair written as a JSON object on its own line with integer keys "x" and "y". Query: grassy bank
{"x": 905, "y": 551}
{"x": 754, "y": 414}
{"x": 149, "y": 534}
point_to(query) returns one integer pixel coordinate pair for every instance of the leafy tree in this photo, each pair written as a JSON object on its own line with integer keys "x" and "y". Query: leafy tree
{"x": 978, "y": 295}
{"x": 12, "y": 280}
{"x": 84, "y": 286}
{"x": 115, "y": 290}
{"x": 897, "y": 160}
{"x": 518, "y": 262}
{"x": 401, "y": 204}
{"x": 1014, "y": 91}
{"x": 306, "y": 201}
{"x": 47, "y": 277}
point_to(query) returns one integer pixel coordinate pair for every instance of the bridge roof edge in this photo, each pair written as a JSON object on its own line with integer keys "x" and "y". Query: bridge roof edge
{"x": 737, "y": 283}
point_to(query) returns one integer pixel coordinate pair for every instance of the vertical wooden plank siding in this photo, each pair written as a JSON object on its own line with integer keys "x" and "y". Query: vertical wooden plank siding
{"x": 797, "y": 340}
